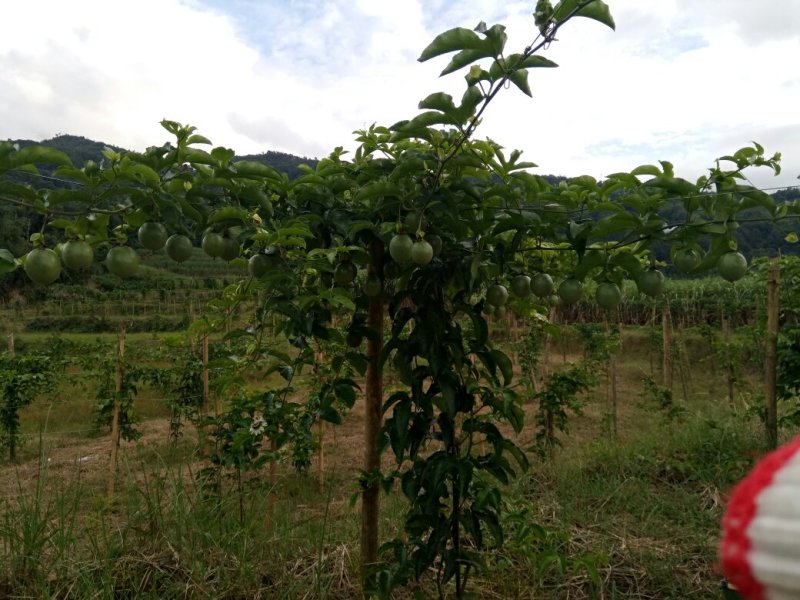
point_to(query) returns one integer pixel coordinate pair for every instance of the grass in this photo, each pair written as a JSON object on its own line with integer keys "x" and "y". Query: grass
{"x": 631, "y": 516}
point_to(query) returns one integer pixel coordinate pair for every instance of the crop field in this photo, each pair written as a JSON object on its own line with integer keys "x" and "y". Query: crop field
{"x": 622, "y": 499}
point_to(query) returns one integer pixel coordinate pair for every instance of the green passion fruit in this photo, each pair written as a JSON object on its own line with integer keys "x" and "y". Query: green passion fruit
{"x": 230, "y": 249}
{"x": 77, "y": 255}
{"x": 178, "y": 247}
{"x": 436, "y": 243}
{"x": 152, "y": 236}
{"x": 345, "y": 273}
{"x": 497, "y": 295}
{"x": 542, "y": 285}
{"x": 608, "y": 295}
{"x": 421, "y": 253}
{"x": 260, "y": 265}
{"x": 521, "y": 286}
{"x": 570, "y": 291}
{"x": 651, "y": 283}
{"x": 732, "y": 266}
{"x": 373, "y": 286}
{"x": 400, "y": 247}
{"x": 212, "y": 244}
{"x": 122, "y": 261}
{"x": 42, "y": 266}
{"x": 686, "y": 260}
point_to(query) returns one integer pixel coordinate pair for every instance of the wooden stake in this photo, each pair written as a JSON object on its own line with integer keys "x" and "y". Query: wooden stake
{"x": 11, "y": 343}
{"x": 666, "y": 351}
{"x": 771, "y": 354}
{"x": 205, "y": 372}
{"x": 321, "y": 462}
{"x": 115, "y": 428}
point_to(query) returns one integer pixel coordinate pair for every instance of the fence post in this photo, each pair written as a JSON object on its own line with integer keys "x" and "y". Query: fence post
{"x": 666, "y": 347}
{"x": 115, "y": 428}
{"x": 771, "y": 354}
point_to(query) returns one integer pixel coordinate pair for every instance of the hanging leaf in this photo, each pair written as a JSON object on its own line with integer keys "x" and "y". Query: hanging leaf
{"x": 591, "y": 9}
{"x": 458, "y": 38}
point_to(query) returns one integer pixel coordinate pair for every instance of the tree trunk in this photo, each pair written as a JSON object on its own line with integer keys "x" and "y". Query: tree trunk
{"x": 115, "y": 428}
{"x": 370, "y": 496}
{"x": 771, "y": 354}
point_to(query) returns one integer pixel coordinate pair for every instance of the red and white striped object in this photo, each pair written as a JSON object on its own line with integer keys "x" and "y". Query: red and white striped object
{"x": 761, "y": 529}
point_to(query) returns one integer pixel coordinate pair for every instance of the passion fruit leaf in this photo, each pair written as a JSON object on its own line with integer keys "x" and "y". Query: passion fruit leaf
{"x": 7, "y": 261}
{"x": 591, "y": 9}
{"x": 458, "y": 38}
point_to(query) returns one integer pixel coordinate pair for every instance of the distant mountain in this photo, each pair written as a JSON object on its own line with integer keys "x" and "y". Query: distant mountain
{"x": 81, "y": 149}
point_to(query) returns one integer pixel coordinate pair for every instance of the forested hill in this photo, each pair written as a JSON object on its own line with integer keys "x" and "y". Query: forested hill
{"x": 81, "y": 149}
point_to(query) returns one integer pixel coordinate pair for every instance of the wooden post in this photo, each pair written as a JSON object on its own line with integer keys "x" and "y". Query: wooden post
{"x": 771, "y": 354}
{"x": 666, "y": 368}
{"x": 730, "y": 373}
{"x": 370, "y": 494}
{"x": 11, "y": 343}
{"x": 321, "y": 463}
{"x": 205, "y": 372}
{"x": 115, "y": 428}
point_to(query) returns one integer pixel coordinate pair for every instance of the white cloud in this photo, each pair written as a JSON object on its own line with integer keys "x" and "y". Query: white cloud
{"x": 686, "y": 81}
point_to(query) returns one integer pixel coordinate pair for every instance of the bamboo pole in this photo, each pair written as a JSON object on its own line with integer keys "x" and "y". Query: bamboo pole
{"x": 11, "y": 343}
{"x": 771, "y": 354}
{"x": 115, "y": 427}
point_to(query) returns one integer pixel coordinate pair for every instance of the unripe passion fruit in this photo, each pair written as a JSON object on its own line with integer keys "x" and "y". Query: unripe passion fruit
{"x": 354, "y": 339}
{"x": 608, "y": 295}
{"x": 400, "y": 247}
{"x": 260, "y": 265}
{"x": 570, "y": 291}
{"x": 77, "y": 255}
{"x": 499, "y": 312}
{"x": 542, "y": 285}
{"x": 521, "y": 286}
{"x": 651, "y": 283}
{"x": 212, "y": 244}
{"x": 344, "y": 273}
{"x": 230, "y": 249}
{"x": 421, "y": 252}
{"x": 497, "y": 295}
{"x": 373, "y": 286}
{"x": 122, "y": 261}
{"x": 436, "y": 243}
{"x": 413, "y": 222}
{"x": 179, "y": 247}
{"x": 152, "y": 236}
{"x": 732, "y": 266}
{"x": 42, "y": 266}
{"x": 686, "y": 260}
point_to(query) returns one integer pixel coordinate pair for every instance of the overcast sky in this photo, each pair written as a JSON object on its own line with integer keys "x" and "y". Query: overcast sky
{"x": 679, "y": 80}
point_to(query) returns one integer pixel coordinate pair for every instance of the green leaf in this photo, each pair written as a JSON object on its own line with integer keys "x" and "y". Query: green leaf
{"x": 520, "y": 79}
{"x": 251, "y": 168}
{"x": 591, "y": 9}
{"x": 427, "y": 119}
{"x": 439, "y": 101}
{"x": 7, "y": 261}
{"x": 40, "y": 154}
{"x": 198, "y": 139}
{"x": 229, "y": 213}
{"x": 505, "y": 366}
{"x": 536, "y": 61}
{"x": 458, "y": 38}
{"x": 466, "y": 57}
